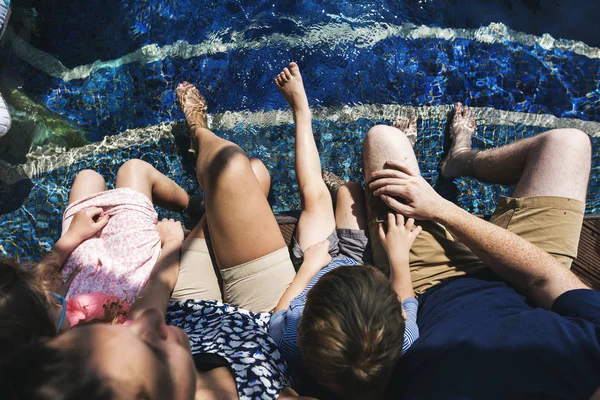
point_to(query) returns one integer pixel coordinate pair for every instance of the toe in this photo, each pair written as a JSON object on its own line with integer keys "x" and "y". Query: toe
{"x": 287, "y": 73}
{"x": 294, "y": 69}
{"x": 457, "y": 108}
{"x": 467, "y": 112}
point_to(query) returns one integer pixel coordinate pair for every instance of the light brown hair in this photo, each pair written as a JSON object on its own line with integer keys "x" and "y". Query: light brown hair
{"x": 352, "y": 330}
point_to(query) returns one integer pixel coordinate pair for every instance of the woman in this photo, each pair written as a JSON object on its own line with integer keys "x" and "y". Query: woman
{"x": 223, "y": 351}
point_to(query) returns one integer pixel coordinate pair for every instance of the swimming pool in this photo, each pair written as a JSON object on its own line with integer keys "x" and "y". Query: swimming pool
{"x": 91, "y": 84}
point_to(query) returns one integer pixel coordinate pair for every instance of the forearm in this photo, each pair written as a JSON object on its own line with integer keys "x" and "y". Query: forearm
{"x": 157, "y": 292}
{"x": 400, "y": 278}
{"x": 62, "y": 248}
{"x": 525, "y": 266}
{"x": 300, "y": 282}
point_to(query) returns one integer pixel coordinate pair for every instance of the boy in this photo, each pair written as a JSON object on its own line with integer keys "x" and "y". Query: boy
{"x": 342, "y": 321}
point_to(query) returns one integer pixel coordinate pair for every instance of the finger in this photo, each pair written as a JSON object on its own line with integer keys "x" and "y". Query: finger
{"x": 387, "y": 173}
{"x": 399, "y": 219}
{"x": 381, "y": 232}
{"x": 401, "y": 166}
{"x": 409, "y": 224}
{"x": 396, "y": 205}
{"x": 417, "y": 230}
{"x": 93, "y": 211}
{"x": 102, "y": 221}
{"x": 391, "y": 190}
{"x": 376, "y": 184}
{"x": 391, "y": 220}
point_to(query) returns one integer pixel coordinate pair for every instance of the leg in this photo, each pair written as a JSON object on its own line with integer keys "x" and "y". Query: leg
{"x": 248, "y": 246}
{"x": 200, "y": 231}
{"x": 242, "y": 225}
{"x": 317, "y": 219}
{"x": 350, "y": 212}
{"x": 554, "y": 163}
{"x": 143, "y": 177}
{"x": 86, "y": 182}
{"x": 434, "y": 256}
{"x": 351, "y": 223}
{"x": 551, "y": 172}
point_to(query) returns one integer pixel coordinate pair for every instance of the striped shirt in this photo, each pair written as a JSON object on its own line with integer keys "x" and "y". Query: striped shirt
{"x": 283, "y": 326}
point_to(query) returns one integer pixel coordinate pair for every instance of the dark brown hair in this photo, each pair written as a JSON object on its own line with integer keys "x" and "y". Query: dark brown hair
{"x": 352, "y": 330}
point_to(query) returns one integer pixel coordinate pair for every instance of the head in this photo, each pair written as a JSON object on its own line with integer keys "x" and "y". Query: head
{"x": 351, "y": 331}
{"x": 144, "y": 359}
{"x": 27, "y": 311}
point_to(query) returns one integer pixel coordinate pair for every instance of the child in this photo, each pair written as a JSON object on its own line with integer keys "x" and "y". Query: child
{"x": 110, "y": 244}
{"x": 339, "y": 320}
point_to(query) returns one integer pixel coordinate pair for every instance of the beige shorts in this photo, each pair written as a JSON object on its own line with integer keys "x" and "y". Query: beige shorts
{"x": 256, "y": 285}
{"x": 551, "y": 223}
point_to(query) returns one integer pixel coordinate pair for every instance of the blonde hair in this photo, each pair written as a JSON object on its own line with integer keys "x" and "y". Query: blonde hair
{"x": 352, "y": 330}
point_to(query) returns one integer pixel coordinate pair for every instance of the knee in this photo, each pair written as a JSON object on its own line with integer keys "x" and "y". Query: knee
{"x": 133, "y": 167}
{"x": 230, "y": 163}
{"x": 89, "y": 175}
{"x": 351, "y": 191}
{"x": 377, "y": 133}
{"x": 569, "y": 141}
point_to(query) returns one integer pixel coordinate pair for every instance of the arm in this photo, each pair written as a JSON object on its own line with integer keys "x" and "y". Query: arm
{"x": 315, "y": 258}
{"x": 528, "y": 268}
{"x": 162, "y": 280}
{"x": 397, "y": 241}
{"x": 85, "y": 224}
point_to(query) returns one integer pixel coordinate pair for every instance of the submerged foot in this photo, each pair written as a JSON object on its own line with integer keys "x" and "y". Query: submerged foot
{"x": 462, "y": 128}
{"x": 289, "y": 82}
{"x": 409, "y": 127}
{"x": 194, "y": 108}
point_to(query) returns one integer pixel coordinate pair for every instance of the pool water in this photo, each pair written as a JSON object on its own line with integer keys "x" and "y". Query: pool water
{"x": 91, "y": 84}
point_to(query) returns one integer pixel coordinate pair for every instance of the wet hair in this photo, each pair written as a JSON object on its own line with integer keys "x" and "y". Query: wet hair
{"x": 24, "y": 305}
{"x": 352, "y": 331}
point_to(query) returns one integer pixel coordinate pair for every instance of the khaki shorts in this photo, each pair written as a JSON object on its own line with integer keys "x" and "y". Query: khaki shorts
{"x": 256, "y": 285}
{"x": 551, "y": 223}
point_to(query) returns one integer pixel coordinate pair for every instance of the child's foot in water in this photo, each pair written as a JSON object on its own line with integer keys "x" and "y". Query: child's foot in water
{"x": 194, "y": 108}
{"x": 289, "y": 83}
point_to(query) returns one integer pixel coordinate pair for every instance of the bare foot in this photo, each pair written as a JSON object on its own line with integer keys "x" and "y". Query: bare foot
{"x": 289, "y": 83}
{"x": 194, "y": 108}
{"x": 462, "y": 128}
{"x": 409, "y": 127}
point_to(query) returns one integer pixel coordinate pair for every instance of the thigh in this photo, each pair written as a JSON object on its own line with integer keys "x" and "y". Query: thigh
{"x": 258, "y": 285}
{"x": 86, "y": 183}
{"x": 435, "y": 256}
{"x": 551, "y": 223}
{"x": 197, "y": 278}
{"x": 240, "y": 220}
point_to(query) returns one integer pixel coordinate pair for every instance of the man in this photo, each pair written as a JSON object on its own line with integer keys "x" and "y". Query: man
{"x": 525, "y": 326}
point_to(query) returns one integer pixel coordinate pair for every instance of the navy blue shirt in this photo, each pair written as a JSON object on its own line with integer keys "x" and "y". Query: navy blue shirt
{"x": 481, "y": 339}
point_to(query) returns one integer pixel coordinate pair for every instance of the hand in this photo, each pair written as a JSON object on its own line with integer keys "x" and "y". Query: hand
{"x": 170, "y": 230}
{"x": 316, "y": 257}
{"x": 399, "y": 237}
{"x": 87, "y": 223}
{"x": 418, "y": 199}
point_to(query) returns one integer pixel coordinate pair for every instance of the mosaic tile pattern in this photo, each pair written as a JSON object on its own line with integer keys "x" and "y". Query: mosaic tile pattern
{"x": 510, "y": 77}
{"x": 31, "y": 210}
